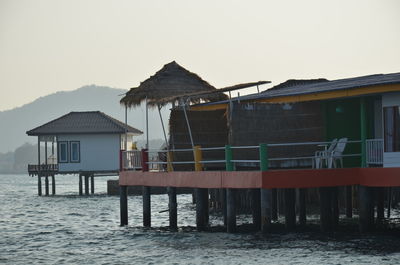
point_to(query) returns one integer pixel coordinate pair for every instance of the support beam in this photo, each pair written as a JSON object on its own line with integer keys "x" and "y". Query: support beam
{"x": 92, "y": 183}
{"x": 366, "y": 209}
{"x": 80, "y": 185}
{"x": 173, "y": 208}
{"x": 123, "y": 193}
{"x": 201, "y": 209}
{"x": 256, "y": 208}
{"x": 53, "y": 185}
{"x": 146, "y": 194}
{"x": 302, "y": 207}
{"x": 224, "y": 207}
{"x": 290, "y": 208}
{"x": 380, "y": 204}
{"x": 335, "y": 207}
{"x": 266, "y": 211}
{"x": 230, "y": 210}
{"x": 39, "y": 185}
{"x": 86, "y": 185}
{"x": 326, "y": 209}
{"x": 46, "y": 185}
{"x": 349, "y": 201}
{"x": 274, "y": 204}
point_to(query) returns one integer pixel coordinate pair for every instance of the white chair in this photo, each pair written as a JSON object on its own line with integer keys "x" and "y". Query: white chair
{"x": 321, "y": 156}
{"x": 337, "y": 153}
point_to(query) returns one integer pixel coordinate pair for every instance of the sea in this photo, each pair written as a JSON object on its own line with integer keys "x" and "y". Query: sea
{"x": 72, "y": 229}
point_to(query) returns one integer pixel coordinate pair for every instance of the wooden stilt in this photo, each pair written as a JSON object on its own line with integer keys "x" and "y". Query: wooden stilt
{"x": 256, "y": 208}
{"x": 146, "y": 194}
{"x": 173, "y": 208}
{"x": 366, "y": 209}
{"x": 230, "y": 211}
{"x": 201, "y": 209}
{"x": 290, "y": 208}
{"x": 302, "y": 207}
{"x": 224, "y": 208}
{"x": 266, "y": 197}
{"x": 326, "y": 209}
{"x": 53, "y": 185}
{"x": 124, "y": 205}
{"x": 86, "y": 185}
{"x": 335, "y": 207}
{"x": 46, "y": 185}
{"x": 349, "y": 201}
{"x": 92, "y": 183}
{"x": 274, "y": 204}
{"x": 380, "y": 198}
{"x": 39, "y": 185}
{"x": 389, "y": 201}
{"x": 80, "y": 185}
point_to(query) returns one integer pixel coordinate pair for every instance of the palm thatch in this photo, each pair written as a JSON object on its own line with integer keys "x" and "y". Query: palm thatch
{"x": 171, "y": 80}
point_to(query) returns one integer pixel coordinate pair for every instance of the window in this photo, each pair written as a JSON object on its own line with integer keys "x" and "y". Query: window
{"x": 75, "y": 152}
{"x": 62, "y": 152}
{"x": 391, "y": 117}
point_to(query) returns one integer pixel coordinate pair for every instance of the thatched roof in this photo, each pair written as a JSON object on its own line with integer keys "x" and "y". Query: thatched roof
{"x": 171, "y": 80}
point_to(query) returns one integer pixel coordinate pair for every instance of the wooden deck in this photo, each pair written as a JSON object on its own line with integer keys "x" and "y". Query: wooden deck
{"x": 294, "y": 178}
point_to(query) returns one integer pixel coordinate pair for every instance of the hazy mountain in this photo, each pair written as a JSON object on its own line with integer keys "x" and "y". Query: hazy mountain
{"x": 15, "y": 122}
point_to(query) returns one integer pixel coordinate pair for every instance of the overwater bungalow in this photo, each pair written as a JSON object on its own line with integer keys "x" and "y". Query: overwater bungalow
{"x": 309, "y": 134}
{"x": 85, "y": 143}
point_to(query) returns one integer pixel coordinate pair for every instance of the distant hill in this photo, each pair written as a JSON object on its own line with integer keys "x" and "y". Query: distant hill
{"x": 15, "y": 122}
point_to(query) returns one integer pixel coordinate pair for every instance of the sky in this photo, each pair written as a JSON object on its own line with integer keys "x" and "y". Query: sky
{"x": 52, "y": 45}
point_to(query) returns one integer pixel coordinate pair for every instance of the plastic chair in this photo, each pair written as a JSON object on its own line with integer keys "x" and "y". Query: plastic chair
{"x": 321, "y": 156}
{"x": 337, "y": 153}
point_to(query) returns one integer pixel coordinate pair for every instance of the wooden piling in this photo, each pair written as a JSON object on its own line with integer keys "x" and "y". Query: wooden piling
{"x": 173, "y": 208}
{"x": 92, "y": 183}
{"x": 380, "y": 204}
{"x": 123, "y": 195}
{"x": 80, "y": 185}
{"x": 256, "y": 208}
{"x": 39, "y": 185}
{"x": 274, "y": 204}
{"x": 53, "y": 185}
{"x": 201, "y": 209}
{"x": 86, "y": 185}
{"x": 46, "y": 185}
{"x": 366, "y": 209}
{"x": 146, "y": 193}
{"x": 302, "y": 207}
{"x": 349, "y": 201}
{"x": 325, "y": 209}
{"x": 230, "y": 211}
{"x": 266, "y": 210}
{"x": 290, "y": 208}
{"x": 335, "y": 206}
{"x": 224, "y": 208}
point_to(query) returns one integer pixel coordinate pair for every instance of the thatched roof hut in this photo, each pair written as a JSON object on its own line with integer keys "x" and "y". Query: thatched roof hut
{"x": 171, "y": 80}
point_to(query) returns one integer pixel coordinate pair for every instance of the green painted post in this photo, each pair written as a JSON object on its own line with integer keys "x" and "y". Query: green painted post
{"x": 363, "y": 125}
{"x": 228, "y": 158}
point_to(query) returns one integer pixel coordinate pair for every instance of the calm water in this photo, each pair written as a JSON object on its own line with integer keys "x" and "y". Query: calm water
{"x": 68, "y": 229}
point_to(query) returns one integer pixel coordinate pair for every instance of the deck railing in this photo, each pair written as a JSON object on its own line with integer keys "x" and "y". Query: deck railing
{"x": 43, "y": 168}
{"x": 162, "y": 159}
{"x": 374, "y": 151}
{"x": 131, "y": 160}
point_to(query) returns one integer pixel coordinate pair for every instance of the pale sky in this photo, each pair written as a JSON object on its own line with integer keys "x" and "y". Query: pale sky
{"x": 50, "y": 45}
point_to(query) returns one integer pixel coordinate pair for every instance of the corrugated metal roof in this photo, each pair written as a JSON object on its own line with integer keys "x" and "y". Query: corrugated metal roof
{"x": 334, "y": 85}
{"x": 88, "y": 122}
{"x": 318, "y": 86}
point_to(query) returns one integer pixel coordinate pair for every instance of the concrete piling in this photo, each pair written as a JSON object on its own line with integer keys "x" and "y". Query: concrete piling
{"x": 86, "y": 185}
{"x": 80, "y": 185}
{"x": 256, "y": 208}
{"x": 274, "y": 204}
{"x": 325, "y": 209}
{"x": 39, "y": 185}
{"x": 201, "y": 209}
{"x": 302, "y": 207}
{"x": 366, "y": 209}
{"x": 53, "y": 185}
